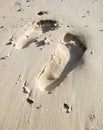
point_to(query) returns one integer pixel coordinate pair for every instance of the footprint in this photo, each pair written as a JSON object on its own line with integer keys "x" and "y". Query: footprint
{"x": 64, "y": 60}
{"x": 34, "y": 31}
{"x": 52, "y": 71}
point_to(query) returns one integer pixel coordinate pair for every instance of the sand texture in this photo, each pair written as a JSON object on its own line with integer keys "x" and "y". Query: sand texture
{"x": 51, "y": 64}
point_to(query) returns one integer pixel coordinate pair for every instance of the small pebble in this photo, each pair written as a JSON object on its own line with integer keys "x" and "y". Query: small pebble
{"x": 91, "y": 52}
{"x": 19, "y": 10}
{"x": 2, "y": 27}
{"x": 42, "y": 13}
{"x": 68, "y": 108}
{"x": 88, "y": 11}
{"x": 28, "y": 0}
{"x": 30, "y": 101}
{"x": 39, "y": 107}
{"x": 83, "y": 16}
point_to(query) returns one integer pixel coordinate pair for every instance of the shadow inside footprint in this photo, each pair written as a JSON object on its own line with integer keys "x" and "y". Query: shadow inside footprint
{"x": 40, "y": 43}
{"x": 64, "y": 60}
{"x": 47, "y": 25}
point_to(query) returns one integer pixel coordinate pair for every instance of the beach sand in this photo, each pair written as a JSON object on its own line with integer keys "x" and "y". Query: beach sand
{"x": 51, "y": 65}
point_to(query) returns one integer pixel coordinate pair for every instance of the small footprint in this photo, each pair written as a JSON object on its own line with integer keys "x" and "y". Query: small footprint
{"x": 64, "y": 60}
{"x": 34, "y": 31}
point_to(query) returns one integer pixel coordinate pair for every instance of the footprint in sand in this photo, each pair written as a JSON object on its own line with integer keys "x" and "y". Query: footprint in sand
{"x": 34, "y": 31}
{"x": 64, "y": 60}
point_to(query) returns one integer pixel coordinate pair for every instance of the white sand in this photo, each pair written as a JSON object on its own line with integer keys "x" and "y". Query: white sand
{"x": 73, "y": 101}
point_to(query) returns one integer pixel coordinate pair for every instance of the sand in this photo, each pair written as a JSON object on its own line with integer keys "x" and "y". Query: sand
{"x": 51, "y": 56}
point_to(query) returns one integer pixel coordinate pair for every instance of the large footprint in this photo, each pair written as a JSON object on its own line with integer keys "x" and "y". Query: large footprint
{"x": 35, "y": 30}
{"x": 64, "y": 59}
{"x": 52, "y": 71}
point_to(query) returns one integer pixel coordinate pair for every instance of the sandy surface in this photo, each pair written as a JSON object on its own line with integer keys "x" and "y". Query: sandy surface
{"x": 51, "y": 64}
